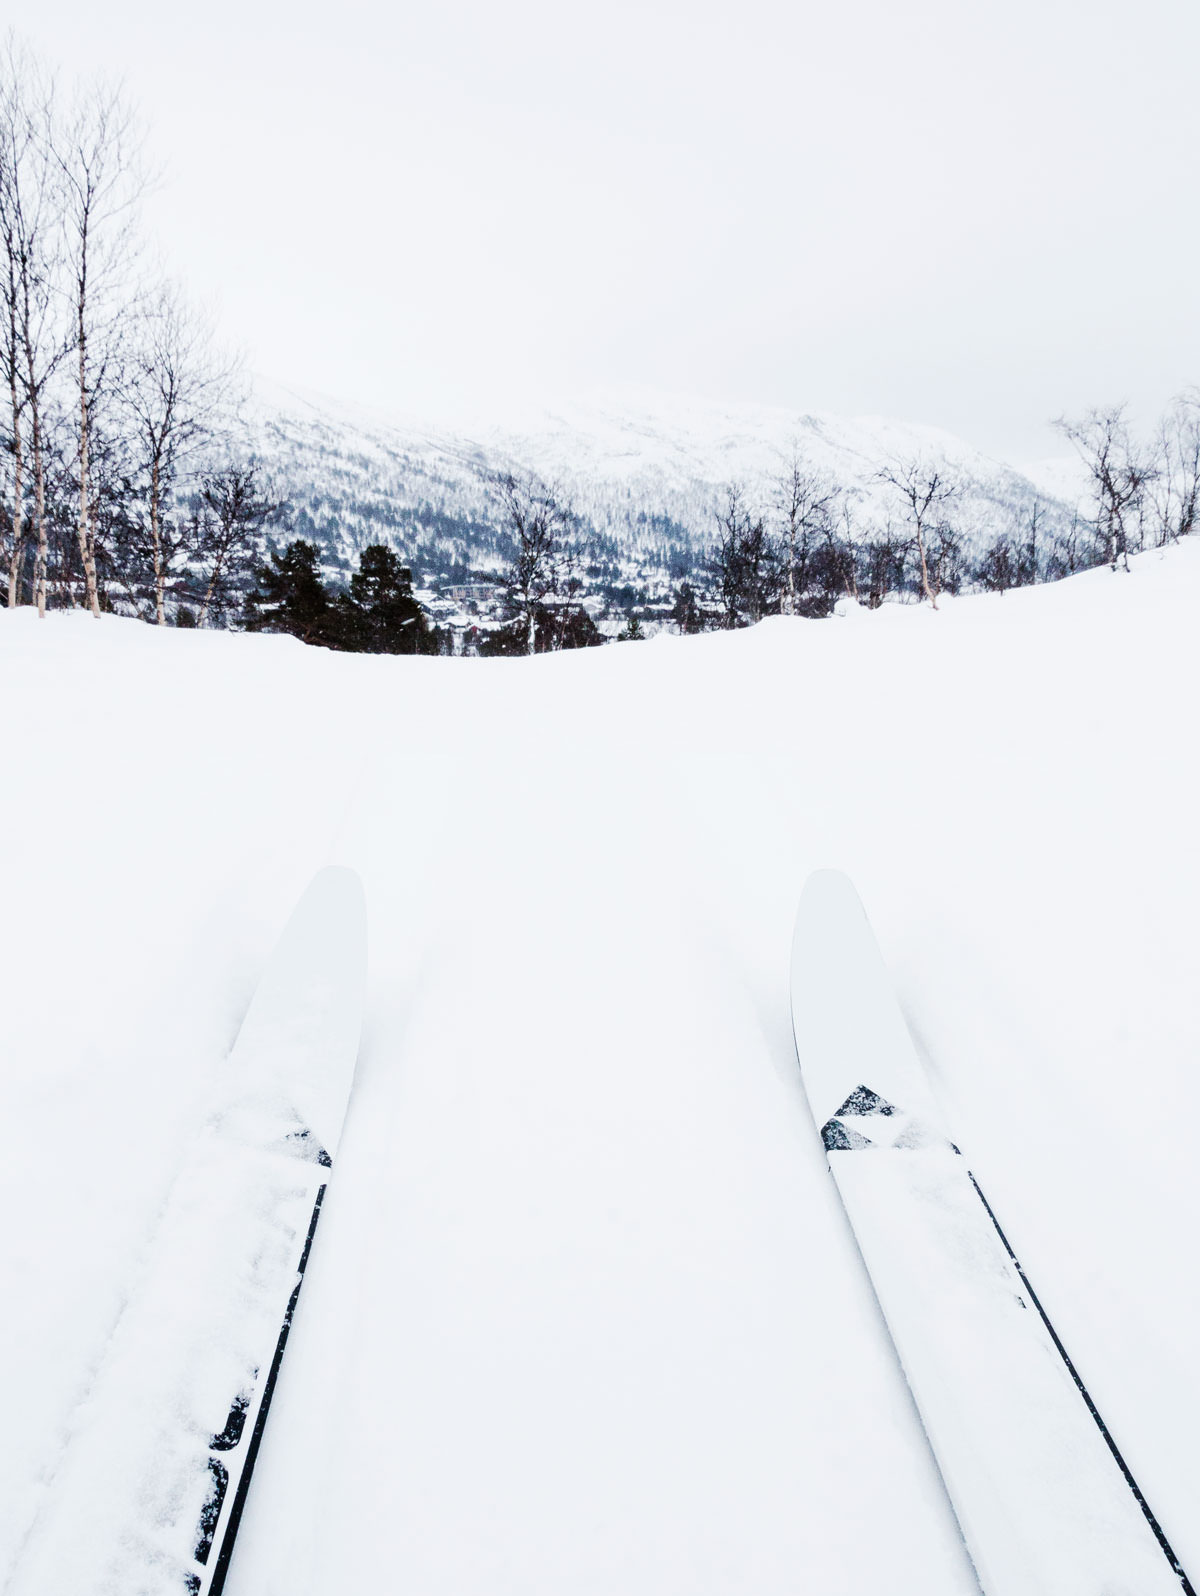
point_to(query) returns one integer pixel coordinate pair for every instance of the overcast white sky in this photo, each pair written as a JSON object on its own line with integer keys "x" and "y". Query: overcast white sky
{"x": 976, "y": 213}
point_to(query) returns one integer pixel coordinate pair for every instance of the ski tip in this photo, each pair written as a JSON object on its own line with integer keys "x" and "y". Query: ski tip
{"x": 828, "y": 881}
{"x": 327, "y": 928}
{"x": 852, "y": 1043}
{"x": 831, "y": 926}
{"x": 336, "y": 889}
{"x": 826, "y": 892}
{"x": 302, "y": 1029}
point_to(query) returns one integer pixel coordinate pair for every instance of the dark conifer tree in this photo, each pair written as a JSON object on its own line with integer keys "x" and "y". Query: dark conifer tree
{"x": 573, "y": 628}
{"x": 686, "y": 612}
{"x": 578, "y": 630}
{"x": 383, "y": 615}
{"x": 290, "y": 596}
{"x": 997, "y": 571}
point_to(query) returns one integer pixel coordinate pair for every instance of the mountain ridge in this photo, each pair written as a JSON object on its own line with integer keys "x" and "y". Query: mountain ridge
{"x": 646, "y": 477}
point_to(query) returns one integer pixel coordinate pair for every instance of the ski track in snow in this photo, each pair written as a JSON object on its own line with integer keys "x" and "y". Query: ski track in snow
{"x": 584, "y": 1310}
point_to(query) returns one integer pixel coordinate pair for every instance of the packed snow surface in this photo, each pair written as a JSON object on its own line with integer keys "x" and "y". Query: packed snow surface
{"x": 584, "y": 1311}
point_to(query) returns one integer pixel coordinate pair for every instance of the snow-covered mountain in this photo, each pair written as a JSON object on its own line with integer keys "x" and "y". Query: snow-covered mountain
{"x": 645, "y": 474}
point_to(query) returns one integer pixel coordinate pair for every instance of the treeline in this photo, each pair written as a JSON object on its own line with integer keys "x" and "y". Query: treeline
{"x": 120, "y": 489}
{"x": 815, "y": 543}
{"x": 804, "y": 543}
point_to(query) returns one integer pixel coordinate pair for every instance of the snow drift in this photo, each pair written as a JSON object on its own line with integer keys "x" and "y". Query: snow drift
{"x": 585, "y": 1311}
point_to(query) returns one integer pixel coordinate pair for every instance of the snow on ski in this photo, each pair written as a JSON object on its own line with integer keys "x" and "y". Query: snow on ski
{"x": 1044, "y": 1499}
{"x": 149, "y": 1494}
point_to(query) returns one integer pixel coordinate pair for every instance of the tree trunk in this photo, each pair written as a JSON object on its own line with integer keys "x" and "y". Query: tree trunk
{"x": 18, "y": 509}
{"x": 160, "y": 575}
{"x": 211, "y": 589}
{"x": 925, "y": 584}
{"x": 39, "y": 506}
{"x": 87, "y": 549}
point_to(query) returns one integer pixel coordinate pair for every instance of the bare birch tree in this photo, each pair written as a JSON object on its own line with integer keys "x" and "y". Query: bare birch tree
{"x": 806, "y": 503}
{"x": 173, "y": 390}
{"x": 1176, "y": 492}
{"x": 1029, "y": 551}
{"x": 235, "y": 511}
{"x": 744, "y": 565}
{"x": 15, "y": 137}
{"x": 844, "y": 540}
{"x": 1119, "y": 475}
{"x": 30, "y": 211}
{"x": 541, "y": 523}
{"x": 97, "y": 157}
{"x": 925, "y": 490}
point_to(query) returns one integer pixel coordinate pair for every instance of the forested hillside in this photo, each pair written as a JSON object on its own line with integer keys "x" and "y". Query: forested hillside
{"x": 648, "y": 480}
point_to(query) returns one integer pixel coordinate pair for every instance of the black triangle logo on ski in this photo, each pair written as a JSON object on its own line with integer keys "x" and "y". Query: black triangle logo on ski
{"x": 305, "y": 1144}
{"x": 863, "y": 1100}
{"x": 838, "y": 1138}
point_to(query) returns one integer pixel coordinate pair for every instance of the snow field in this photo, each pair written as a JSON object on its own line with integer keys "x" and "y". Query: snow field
{"x": 584, "y": 1309}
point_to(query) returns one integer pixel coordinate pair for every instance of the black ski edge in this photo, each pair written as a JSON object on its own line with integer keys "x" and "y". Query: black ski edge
{"x": 1147, "y": 1512}
{"x": 211, "y": 1516}
{"x": 233, "y": 1523}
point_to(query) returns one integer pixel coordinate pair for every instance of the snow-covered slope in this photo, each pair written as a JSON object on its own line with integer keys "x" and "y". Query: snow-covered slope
{"x": 1063, "y": 477}
{"x": 646, "y": 475}
{"x": 584, "y": 1314}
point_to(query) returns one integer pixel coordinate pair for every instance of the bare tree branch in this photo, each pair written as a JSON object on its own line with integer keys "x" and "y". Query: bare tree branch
{"x": 925, "y": 490}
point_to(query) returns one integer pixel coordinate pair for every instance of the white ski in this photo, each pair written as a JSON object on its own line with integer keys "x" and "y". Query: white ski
{"x": 1046, "y": 1504}
{"x": 149, "y": 1495}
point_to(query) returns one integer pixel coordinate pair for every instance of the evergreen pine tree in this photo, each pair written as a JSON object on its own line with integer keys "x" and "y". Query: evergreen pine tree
{"x": 383, "y": 616}
{"x": 289, "y": 596}
{"x": 576, "y": 630}
{"x": 686, "y": 612}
